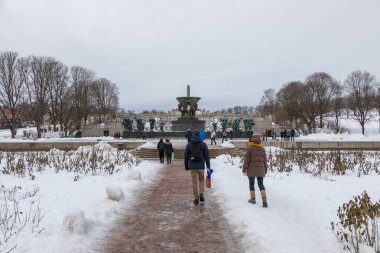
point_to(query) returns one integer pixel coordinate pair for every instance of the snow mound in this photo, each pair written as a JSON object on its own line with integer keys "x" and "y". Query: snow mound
{"x": 114, "y": 192}
{"x": 134, "y": 174}
{"x": 366, "y": 249}
{"x": 75, "y": 222}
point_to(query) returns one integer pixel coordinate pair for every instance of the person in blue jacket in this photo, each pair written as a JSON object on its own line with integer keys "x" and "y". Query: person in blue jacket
{"x": 202, "y": 134}
{"x": 195, "y": 157}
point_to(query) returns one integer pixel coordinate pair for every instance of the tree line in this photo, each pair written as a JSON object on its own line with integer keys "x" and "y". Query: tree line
{"x": 320, "y": 95}
{"x": 42, "y": 88}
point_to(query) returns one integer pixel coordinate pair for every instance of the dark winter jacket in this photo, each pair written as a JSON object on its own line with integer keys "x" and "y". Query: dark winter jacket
{"x": 190, "y": 164}
{"x": 255, "y": 161}
{"x": 161, "y": 145}
{"x": 189, "y": 135}
{"x": 169, "y": 148}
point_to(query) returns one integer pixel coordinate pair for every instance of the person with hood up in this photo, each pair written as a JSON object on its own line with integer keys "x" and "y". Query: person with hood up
{"x": 255, "y": 165}
{"x": 161, "y": 149}
{"x": 195, "y": 157}
{"x": 189, "y": 135}
{"x": 169, "y": 151}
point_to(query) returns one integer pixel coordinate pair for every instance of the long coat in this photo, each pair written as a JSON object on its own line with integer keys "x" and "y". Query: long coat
{"x": 255, "y": 161}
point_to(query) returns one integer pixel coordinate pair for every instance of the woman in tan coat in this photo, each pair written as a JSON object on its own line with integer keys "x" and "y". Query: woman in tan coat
{"x": 255, "y": 165}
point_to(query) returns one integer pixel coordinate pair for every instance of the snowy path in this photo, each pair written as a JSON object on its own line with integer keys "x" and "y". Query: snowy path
{"x": 165, "y": 220}
{"x": 301, "y": 208}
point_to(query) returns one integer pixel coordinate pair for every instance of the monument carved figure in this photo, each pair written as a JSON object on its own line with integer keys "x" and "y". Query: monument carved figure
{"x": 187, "y": 106}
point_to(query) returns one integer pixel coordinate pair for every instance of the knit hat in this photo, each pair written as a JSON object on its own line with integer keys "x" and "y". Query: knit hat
{"x": 256, "y": 138}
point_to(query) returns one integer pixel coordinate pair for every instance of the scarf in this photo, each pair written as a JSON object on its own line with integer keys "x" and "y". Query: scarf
{"x": 254, "y": 144}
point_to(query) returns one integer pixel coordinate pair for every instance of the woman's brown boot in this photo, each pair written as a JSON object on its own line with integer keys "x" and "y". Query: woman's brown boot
{"x": 252, "y": 200}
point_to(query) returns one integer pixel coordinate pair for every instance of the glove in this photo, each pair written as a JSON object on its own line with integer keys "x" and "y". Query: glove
{"x": 209, "y": 172}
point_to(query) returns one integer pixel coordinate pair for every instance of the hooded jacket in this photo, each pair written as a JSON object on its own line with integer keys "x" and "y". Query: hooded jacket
{"x": 169, "y": 148}
{"x": 255, "y": 161}
{"x": 190, "y": 164}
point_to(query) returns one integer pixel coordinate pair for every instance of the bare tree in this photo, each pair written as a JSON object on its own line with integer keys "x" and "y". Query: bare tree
{"x": 56, "y": 92}
{"x": 320, "y": 88}
{"x": 81, "y": 81}
{"x": 11, "y": 88}
{"x": 360, "y": 87}
{"x": 337, "y": 105}
{"x": 268, "y": 103}
{"x": 289, "y": 99}
{"x": 376, "y": 102}
{"x": 105, "y": 96}
{"x": 39, "y": 76}
{"x": 66, "y": 117}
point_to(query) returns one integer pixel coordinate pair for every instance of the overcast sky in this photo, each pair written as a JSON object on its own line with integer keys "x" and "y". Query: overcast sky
{"x": 229, "y": 51}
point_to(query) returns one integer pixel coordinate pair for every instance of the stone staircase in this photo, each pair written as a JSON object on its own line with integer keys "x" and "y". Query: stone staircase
{"x": 146, "y": 153}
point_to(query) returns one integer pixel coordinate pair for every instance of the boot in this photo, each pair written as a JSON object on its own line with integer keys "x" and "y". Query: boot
{"x": 196, "y": 201}
{"x": 201, "y": 197}
{"x": 264, "y": 197}
{"x": 252, "y": 200}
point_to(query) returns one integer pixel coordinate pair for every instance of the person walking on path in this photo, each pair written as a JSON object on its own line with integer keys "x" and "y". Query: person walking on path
{"x": 255, "y": 165}
{"x": 292, "y": 134}
{"x": 169, "y": 151}
{"x": 195, "y": 157}
{"x": 213, "y": 137}
{"x": 231, "y": 134}
{"x": 161, "y": 150}
{"x": 202, "y": 134}
{"x": 188, "y": 135}
{"x": 144, "y": 136}
{"x": 224, "y": 135}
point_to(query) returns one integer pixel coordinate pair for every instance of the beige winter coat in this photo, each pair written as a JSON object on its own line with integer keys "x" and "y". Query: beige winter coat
{"x": 255, "y": 162}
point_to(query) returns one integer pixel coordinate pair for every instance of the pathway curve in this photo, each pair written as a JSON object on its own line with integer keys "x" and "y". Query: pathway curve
{"x": 165, "y": 220}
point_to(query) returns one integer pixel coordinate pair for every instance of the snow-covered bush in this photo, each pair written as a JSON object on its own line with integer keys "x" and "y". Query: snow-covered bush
{"x": 75, "y": 222}
{"x": 101, "y": 158}
{"x": 318, "y": 163}
{"x": 359, "y": 224}
{"x": 18, "y": 210}
{"x": 114, "y": 192}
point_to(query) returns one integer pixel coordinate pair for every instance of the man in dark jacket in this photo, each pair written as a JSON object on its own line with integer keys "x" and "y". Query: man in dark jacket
{"x": 196, "y": 155}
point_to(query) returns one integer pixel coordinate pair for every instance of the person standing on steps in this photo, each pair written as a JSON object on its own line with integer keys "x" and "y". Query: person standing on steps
{"x": 213, "y": 137}
{"x": 161, "y": 150}
{"x": 255, "y": 166}
{"x": 169, "y": 151}
{"x": 224, "y": 136}
{"x": 195, "y": 157}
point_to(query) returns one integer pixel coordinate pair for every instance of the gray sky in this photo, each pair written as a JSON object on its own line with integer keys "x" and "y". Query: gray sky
{"x": 229, "y": 51}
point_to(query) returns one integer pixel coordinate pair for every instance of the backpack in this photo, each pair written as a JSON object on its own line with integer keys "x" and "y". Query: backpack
{"x": 196, "y": 152}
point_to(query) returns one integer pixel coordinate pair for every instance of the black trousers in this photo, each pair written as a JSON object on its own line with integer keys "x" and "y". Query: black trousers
{"x": 260, "y": 182}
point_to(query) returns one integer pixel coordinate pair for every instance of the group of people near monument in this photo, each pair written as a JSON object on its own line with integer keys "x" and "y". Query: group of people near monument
{"x": 165, "y": 148}
{"x": 213, "y": 135}
{"x": 197, "y": 158}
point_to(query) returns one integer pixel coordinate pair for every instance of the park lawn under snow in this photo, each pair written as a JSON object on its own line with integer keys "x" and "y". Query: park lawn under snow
{"x": 59, "y": 194}
{"x": 300, "y": 210}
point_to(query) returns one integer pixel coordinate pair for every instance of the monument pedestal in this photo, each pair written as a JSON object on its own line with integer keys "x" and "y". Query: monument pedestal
{"x": 185, "y": 123}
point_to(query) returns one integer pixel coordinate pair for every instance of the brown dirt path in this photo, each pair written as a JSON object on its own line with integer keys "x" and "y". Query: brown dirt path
{"x": 166, "y": 220}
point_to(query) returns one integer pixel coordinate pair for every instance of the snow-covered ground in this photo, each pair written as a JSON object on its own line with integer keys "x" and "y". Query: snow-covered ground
{"x": 59, "y": 194}
{"x": 301, "y": 207}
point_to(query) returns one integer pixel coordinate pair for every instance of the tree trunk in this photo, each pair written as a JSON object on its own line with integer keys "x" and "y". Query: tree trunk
{"x": 320, "y": 121}
{"x": 38, "y": 131}
{"x": 13, "y": 127}
{"x": 362, "y": 124}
